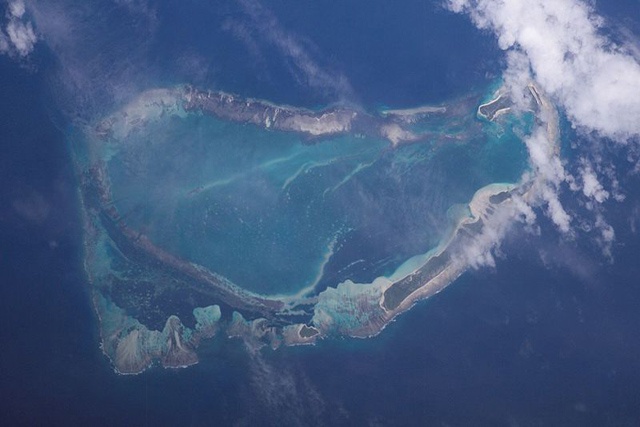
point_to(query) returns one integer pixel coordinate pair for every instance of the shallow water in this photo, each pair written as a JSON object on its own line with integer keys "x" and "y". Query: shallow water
{"x": 276, "y": 212}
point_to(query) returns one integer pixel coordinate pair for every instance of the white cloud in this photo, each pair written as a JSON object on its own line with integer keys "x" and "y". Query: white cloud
{"x": 591, "y": 187}
{"x": 596, "y": 82}
{"x": 17, "y": 9}
{"x": 21, "y": 36}
{"x": 607, "y": 236}
{"x": 561, "y": 45}
{"x": 18, "y": 37}
{"x": 549, "y": 174}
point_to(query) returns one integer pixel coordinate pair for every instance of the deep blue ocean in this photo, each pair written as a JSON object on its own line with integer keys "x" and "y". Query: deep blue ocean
{"x": 527, "y": 343}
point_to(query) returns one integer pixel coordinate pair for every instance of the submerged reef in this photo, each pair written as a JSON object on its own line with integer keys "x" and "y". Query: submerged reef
{"x": 157, "y": 304}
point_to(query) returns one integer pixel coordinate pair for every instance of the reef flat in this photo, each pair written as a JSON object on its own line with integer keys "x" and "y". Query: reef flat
{"x": 368, "y": 308}
{"x": 156, "y": 303}
{"x": 332, "y": 121}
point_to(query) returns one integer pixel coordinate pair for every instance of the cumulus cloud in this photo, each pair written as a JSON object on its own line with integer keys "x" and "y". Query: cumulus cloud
{"x": 607, "y": 235}
{"x": 17, "y": 9}
{"x": 18, "y": 36}
{"x": 562, "y": 46}
{"x": 22, "y": 37}
{"x": 591, "y": 187}
{"x": 597, "y": 82}
{"x": 549, "y": 174}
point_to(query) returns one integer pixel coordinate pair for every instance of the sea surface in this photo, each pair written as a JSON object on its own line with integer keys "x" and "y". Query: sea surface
{"x": 547, "y": 337}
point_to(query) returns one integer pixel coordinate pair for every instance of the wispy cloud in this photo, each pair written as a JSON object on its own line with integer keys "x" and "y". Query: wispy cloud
{"x": 97, "y": 63}
{"x": 283, "y": 395}
{"x": 243, "y": 33}
{"x": 305, "y": 68}
{"x": 597, "y": 82}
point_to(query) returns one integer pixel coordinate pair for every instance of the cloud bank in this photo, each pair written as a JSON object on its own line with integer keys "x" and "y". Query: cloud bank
{"x": 562, "y": 46}
{"x": 561, "y": 41}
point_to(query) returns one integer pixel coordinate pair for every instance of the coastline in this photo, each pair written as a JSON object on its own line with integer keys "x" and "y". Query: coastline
{"x": 357, "y": 310}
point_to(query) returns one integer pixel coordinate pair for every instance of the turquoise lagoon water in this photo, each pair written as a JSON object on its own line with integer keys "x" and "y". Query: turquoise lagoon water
{"x": 276, "y": 212}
